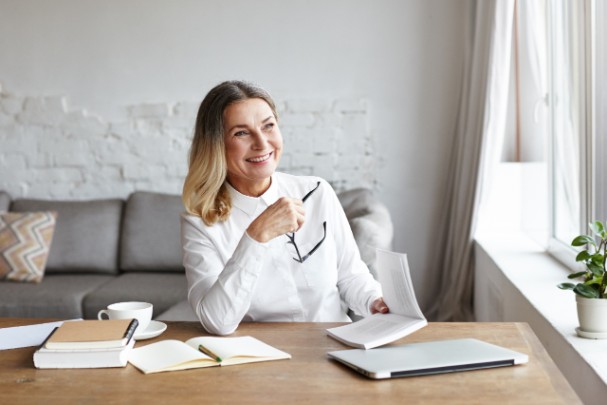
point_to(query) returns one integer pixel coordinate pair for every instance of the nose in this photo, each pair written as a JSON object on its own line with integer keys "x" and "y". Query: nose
{"x": 260, "y": 141}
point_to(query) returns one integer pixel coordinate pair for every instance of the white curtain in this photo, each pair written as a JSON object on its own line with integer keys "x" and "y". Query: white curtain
{"x": 566, "y": 124}
{"x": 476, "y": 152}
{"x": 532, "y": 20}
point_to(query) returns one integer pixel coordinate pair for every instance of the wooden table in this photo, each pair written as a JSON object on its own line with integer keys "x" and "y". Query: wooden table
{"x": 309, "y": 377}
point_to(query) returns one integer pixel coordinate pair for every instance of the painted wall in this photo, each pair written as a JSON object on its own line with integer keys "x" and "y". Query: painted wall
{"x": 114, "y": 73}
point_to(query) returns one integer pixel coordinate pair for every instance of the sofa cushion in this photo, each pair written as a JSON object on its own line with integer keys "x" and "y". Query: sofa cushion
{"x": 356, "y": 202}
{"x": 57, "y": 296}
{"x": 163, "y": 290}
{"x": 151, "y": 233}
{"x": 86, "y": 235}
{"x": 182, "y": 311}
{"x": 370, "y": 222}
{"x": 5, "y": 201}
{"x": 25, "y": 241}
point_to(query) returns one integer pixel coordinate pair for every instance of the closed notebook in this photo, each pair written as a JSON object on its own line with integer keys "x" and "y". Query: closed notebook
{"x": 204, "y": 351}
{"x": 92, "y": 334}
{"x": 83, "y": 358}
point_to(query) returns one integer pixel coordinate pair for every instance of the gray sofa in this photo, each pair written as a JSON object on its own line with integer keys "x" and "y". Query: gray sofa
{"x": 111, "y": 250}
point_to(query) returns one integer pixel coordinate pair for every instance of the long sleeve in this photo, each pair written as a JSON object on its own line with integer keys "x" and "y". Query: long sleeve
{"x": 233, "y": 278}
{"x": 220, "y": 291}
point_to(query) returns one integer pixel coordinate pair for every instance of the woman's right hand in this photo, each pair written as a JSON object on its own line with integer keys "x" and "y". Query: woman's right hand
{"x": 284, "y": 216}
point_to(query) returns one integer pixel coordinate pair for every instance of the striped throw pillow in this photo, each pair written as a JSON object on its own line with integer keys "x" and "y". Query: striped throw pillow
{"x": 25, "y": 241}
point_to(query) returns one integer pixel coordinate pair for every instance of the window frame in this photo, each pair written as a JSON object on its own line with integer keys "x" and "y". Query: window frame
{"x": 599, "y": 104}
{"x": 588, "y": 172}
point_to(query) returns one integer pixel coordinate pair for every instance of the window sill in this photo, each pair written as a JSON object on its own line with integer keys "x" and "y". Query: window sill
{"x": 515, "y": 280}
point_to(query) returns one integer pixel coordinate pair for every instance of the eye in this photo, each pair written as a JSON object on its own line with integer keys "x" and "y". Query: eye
{"x": 240, "y": 133}
{"x": 269, "y": 126}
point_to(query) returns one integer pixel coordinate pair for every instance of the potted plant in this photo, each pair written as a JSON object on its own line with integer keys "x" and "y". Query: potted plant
{"x": 591, "y": 292}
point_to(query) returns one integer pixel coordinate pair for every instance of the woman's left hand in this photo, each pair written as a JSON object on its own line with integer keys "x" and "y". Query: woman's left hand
{"x": 379, "y": 307}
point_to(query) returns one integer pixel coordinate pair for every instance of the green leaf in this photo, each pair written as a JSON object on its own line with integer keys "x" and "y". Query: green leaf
{"x": 583, "y": 255}
{"x": 566, "y": 286}
{"x": 596, "y": 269}
{"x": 594, "y": 283}
{"x": 598, "y": 259}
{"x": 598, "y": 229}
{"x": 576, "y": 275}
{"x": 583, "y": 240}
{"x": 586, "y": 291}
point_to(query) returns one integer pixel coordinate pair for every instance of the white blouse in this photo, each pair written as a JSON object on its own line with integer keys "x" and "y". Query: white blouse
{"x": 233, "y": 278}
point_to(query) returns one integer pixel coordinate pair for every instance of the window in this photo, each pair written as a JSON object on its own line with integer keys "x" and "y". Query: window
{"x": 570, "y": 129}
{"x": 553, "y": 176}
{"x": 599, "y": 107}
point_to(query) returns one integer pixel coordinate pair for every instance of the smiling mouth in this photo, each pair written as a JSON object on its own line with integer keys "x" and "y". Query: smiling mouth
{"x": 260, "y": 159}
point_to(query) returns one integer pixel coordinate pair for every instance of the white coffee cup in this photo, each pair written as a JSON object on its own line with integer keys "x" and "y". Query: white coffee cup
{"x": 142, "y": 311}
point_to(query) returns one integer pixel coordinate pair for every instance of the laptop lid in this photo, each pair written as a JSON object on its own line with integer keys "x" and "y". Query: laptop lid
{"x": 442, "y": 356}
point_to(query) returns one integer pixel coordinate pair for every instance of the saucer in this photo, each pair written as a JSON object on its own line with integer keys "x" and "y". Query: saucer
{"x": 155, "y": 328}
{"x": 591, "y": 335}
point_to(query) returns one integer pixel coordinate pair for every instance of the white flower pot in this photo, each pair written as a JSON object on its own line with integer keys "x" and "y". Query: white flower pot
{"x": 592, "y": 315}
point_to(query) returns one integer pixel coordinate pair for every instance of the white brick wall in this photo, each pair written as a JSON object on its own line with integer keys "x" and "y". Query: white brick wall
{"x": 49, "y": 149}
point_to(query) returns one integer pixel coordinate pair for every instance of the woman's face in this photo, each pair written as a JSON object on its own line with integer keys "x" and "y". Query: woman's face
{"x": 253, "y": 145}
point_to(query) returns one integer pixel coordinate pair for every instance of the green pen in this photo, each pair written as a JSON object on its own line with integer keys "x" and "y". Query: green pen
{"x": 209, "y": 353}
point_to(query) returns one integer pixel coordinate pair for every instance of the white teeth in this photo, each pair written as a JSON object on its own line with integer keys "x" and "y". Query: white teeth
{"x": 259, "y": 159}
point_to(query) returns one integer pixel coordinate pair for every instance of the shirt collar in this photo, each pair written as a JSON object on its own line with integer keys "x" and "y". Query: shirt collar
{"x": 250, "y": 205}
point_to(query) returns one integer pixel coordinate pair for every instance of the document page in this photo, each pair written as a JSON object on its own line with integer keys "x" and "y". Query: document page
{"x": 405, "y": 316}
{"x": 229, "y": 347}
{"x": 395, "y": 278}
{"x": 16, "y": 337}
{"x": 369, "y": 328}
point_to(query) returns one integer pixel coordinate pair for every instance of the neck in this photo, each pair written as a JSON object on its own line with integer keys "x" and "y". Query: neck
{"x": 252, "y": 189}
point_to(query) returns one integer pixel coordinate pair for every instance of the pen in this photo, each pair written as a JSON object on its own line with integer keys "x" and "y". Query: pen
{"x": 209, "y": 353}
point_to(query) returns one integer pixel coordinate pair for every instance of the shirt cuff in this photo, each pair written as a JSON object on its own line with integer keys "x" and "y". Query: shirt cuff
{"x": 246, "y": 234}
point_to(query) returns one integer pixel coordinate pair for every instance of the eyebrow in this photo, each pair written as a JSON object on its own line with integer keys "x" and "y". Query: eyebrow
{"x": 244, "y": 126}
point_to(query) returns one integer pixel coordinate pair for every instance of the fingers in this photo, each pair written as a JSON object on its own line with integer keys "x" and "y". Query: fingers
{"x": 286, "y": 215}
{"x": 379, "y": 307}
{"x": 298, "y": 212}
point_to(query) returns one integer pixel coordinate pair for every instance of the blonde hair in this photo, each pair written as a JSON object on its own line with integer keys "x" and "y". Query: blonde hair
{"x": 204, "y": 190}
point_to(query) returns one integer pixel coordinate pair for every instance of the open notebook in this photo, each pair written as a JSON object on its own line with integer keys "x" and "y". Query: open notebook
{"x": 202, "y": 351}
{"x": 443, "y": 356}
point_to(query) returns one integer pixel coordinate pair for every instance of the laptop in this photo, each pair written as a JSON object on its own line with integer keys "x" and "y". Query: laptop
{"x": 442, "y": 356}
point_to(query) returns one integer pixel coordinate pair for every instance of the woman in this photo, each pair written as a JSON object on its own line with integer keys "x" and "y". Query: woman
{"x": 260, "y": 245}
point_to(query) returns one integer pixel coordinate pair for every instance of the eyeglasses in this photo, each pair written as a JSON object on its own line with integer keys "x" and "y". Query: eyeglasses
{"x": 291, "y": 236}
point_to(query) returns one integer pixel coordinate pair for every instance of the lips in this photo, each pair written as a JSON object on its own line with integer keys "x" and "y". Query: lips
{"x": 260, "y": 159}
